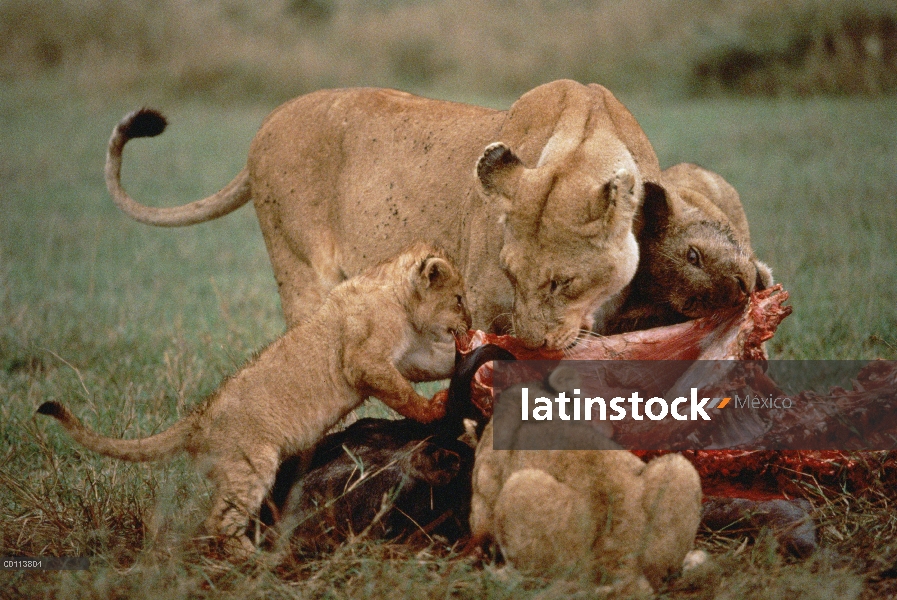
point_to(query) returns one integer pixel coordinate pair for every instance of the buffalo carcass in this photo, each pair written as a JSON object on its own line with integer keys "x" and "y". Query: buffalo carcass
{"x": 384, "y": 478}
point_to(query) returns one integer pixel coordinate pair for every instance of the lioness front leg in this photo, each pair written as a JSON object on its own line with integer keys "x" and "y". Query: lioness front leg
{"x": 387, "y": 384}
{"x": 305, "y": 273}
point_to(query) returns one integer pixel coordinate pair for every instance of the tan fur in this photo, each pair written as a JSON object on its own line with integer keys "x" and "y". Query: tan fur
{"x": 540, "y": 224}
{"x": 603, "y": 515}
{"x": 374, "y": 334}
{"x": 696, "y": 256}
{"x": 600, "y": 515}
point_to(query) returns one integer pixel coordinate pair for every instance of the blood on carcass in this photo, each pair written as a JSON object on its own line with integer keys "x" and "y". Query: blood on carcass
{"x": 758, "y": 473}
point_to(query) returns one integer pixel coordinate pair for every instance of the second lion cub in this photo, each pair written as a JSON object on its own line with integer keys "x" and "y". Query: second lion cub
{"x": 374, "y": 335}
{"x": 601, "y": 515}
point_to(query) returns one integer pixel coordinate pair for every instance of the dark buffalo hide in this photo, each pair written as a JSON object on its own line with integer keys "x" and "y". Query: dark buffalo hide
{"x": 385, "y": 478}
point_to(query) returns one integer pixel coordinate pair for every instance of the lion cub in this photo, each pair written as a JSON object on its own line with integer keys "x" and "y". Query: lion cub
{"x": 696, "y": 257}
{"x": 602, "y": 515}
{"x": 375, "y": 334}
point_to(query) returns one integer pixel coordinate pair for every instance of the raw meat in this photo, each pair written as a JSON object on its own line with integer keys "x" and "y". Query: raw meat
{"x": 753, "y": 472}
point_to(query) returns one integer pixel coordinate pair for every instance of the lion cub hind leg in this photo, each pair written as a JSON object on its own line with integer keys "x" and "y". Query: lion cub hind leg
{"x": 542, "y": 525}
{"x": 672, "y": 505}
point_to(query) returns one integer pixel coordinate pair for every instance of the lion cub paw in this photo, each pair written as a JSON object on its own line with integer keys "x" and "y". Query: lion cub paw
{"x": 694, "y": 559}
{"x": 425, "y": 411}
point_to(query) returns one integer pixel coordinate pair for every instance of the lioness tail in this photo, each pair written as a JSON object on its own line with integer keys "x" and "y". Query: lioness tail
{"x": 146, "y": 122}
{"x": 155, "y": 447}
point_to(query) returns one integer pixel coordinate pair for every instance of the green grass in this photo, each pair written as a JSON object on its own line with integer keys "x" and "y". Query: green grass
{"x": 131, "y": 326}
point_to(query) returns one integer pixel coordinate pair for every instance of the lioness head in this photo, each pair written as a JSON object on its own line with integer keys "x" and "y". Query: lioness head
{"x": 568, "y": 239}
{"x": 698, "y": 264}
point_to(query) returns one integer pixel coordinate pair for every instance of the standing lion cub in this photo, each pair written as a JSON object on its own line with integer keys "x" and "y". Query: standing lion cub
{"x": 375, "y": 334}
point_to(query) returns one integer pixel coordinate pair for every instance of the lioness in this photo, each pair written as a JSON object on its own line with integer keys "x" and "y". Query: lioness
{"x": 374, "y": 334}
{"x": 602, "y": 515}
{"x": 535, "y": 204}
{"x": 696, "y": 256}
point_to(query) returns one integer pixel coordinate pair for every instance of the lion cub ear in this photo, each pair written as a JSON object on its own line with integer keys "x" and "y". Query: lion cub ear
{"x": 764, "y": 276}
{"x": 469, "y": 436}
{"x": 658, "y": 208}
{"x": 434, "y": 272}
{"x": 498, "y": 170}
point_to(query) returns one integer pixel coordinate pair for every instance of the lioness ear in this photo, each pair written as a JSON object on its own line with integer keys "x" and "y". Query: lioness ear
{"x": 498, "y": 170}
{"x": 434, "y": 272}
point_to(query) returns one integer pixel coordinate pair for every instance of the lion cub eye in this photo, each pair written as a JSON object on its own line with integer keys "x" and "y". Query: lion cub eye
{"x": 693, "y": 257}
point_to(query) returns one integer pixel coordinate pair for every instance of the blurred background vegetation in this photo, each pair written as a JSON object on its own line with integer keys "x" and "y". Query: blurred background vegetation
{"x": 234, "y": 50}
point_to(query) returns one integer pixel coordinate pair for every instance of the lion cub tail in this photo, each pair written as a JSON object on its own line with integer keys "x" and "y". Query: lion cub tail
{"x": 155, "y": 447}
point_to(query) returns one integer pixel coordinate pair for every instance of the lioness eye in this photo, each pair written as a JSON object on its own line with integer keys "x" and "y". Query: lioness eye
{"x": 459, "y": 299}
{"x": 693, "y": 257}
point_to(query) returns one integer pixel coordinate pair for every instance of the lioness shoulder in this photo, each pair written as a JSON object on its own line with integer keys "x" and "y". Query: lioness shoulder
{"x": 696, "y": 256}
{"x": 374, "y": 335}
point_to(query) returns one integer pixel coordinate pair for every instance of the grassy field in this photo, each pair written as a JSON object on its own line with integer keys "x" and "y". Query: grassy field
{"x": 131, "y": 326}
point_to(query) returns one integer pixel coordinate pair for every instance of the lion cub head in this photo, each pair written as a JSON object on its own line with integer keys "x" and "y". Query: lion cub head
{"x": 433, "y": 294}
{"x": 696, "y": 244}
